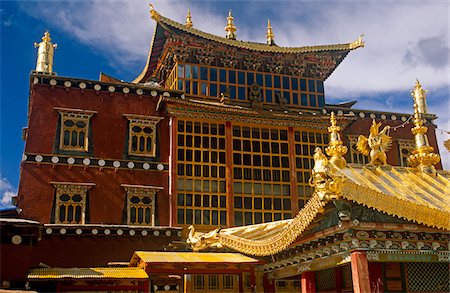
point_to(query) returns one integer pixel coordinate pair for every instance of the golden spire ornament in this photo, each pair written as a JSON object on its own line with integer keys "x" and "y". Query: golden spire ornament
{"x": 336, "y": 148}
{"x": 45, "y": 54}
{"x": 189, "y": 19}
{"x": 422, "y": 156}
{"x": 420, "y": 98}
{"x": 230, "y": 28}
{"x": 269, "y": 34}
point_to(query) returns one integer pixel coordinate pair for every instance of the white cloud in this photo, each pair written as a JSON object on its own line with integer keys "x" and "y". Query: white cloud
{"x": 405, "y": 40}
{"x": 7, "y": 191}
{"x": 7, "y": 196}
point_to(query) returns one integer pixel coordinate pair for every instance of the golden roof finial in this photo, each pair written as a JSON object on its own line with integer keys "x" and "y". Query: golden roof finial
{"x": 230, "y": 28}
{"x": 420, "y": 97}
{"x": 422, "y": 156}
{"x": 189, "y": 19}
{"x": 358, "y": 42}
{"x": 155, "y": 15}
{"x": 336, "y": 150}
{"x": 45, "y": 54}
{"x": 269, "y": 34}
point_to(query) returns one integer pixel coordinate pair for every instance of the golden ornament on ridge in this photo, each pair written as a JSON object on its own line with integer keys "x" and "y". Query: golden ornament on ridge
{"x": 376, "y": 145}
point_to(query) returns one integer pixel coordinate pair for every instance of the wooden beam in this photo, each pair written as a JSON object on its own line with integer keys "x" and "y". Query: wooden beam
{"x": 360, "y": 272}
{"x": 173, "y": 124}
{"x": 293, "y": 172}
{"x": 229, "y": 173}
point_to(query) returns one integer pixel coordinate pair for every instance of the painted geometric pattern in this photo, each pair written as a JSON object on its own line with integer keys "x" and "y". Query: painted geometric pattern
{"x": 325, "y": 280}
{"x": 428, "y": 277}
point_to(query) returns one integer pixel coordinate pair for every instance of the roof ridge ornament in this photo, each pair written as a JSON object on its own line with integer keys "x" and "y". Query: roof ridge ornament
{"x": 358, "y": 42}
{"x": 230, "y": 28}
{"x": 327, "y": 183}
{"x": 422, "y": 156}
{"x": 336, "y": 150}
{"x": 153, "y": 13}
{"x": 46, "y": 49}
{"x": 376, "y": 145}
{"x": 269, "y": 34}
{"x": 189, "y": 19}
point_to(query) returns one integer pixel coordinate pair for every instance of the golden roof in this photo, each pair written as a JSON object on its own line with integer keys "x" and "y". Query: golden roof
{"x": 252, "y": 45}
{"x": 86, "y": 273}
{"x": 190, "y": 257}
{"x": 402, "y": 192}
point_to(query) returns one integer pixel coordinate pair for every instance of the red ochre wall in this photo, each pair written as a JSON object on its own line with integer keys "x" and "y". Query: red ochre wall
{"x": 106, "y": 199}
{"x": 362, "y": 126}
{"x": 109, "y": 134}
{"x": 109, "y": 126}
{"x": 75, "y": 251}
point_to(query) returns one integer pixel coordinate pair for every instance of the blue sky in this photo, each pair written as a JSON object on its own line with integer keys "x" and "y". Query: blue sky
{"x": 405, "y": 40}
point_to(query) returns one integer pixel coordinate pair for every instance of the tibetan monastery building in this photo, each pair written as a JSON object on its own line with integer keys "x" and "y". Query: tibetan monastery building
{"x": 227, "y": 146}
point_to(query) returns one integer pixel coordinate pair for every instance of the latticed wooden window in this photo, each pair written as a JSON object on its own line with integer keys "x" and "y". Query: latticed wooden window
{"x": 201, "y": 180}
{"x": 355, "y": 156}
{"x": 211, "y": 81}
{"x": 405, "y": 147}
{"x": 74, "y": 132}
{"x": 71, "y": 202}
{"x": 141, "y": 204}
{"x": 142, "y": 135}
{"x": 199, "y": 282}
{"x": 261, "y": 175}
{"x": 228, "y": 281}
{"x": 213, "y": 282}
{"x": 305, "y": 143}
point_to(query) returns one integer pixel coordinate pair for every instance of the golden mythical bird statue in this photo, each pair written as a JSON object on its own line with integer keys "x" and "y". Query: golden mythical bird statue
{"x": 376, "y": 145}
{"x": 204, "y": 240}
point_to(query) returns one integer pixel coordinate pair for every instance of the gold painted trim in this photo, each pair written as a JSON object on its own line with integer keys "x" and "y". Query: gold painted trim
{"x": 286, "y": 236}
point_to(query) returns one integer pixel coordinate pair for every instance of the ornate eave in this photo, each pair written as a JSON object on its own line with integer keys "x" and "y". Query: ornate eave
{"x": 383, "y": 242}
{"x": 252, "y": 45}
{"x": 176, "y": 41}
{"x": 200, "y": 109}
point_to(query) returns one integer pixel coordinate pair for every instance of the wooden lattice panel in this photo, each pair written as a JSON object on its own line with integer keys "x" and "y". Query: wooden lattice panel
{"x": 428, "y": 277}
{"x": 325, "y": 280}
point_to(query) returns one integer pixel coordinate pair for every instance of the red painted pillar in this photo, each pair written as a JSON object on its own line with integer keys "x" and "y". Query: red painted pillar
{"x": 252, "y": 280}
{"x": 308, "y": 282}
{"x": 338, "y": 279}
{"x": 241, "y": 282}
{"x": 268, "y": 284}
{"x": 376, "y": 277}
{"x": 146, "y": 286}
{"x": 360, "y": 272}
